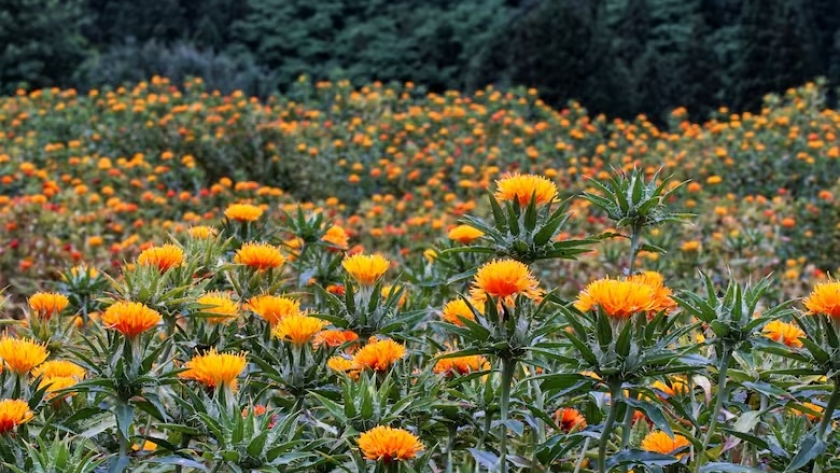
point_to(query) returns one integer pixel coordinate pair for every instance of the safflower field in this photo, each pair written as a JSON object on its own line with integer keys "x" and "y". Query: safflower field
{"x": 385, "y": 279}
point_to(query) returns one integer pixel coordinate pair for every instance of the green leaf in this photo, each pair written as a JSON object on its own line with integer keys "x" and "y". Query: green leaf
{"x": 809, "y": 449}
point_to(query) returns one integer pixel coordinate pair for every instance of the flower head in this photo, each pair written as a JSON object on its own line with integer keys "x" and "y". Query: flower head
{"x": 674, "y": 386}
{"x": 619, "y": 299}
{"x": 47, "y": 304}
{"x": 223, "y": 308}
{"x": 457, "y": 309}
{"x": 214, "y": 369}
{"x": 162, "y": 257}
{"x": 59, "y": 369}
{"x": 662, "y": 300}
{"x": 202, "y": 232}
{"x": 298, "y": 329}
{"x": 520, "y": 188}
{"x": 465, "y": 234}
{"x": 505, "y": 278}
{"x": 569, "y": 419}
{"x": 387, "y": 444}
{"x": 342, "y": 364}
{"x": 13, "y": 412}
{"x": 273, "y": 308}
{"x": 461, "y": 365}
{"x": 130, "y": 318}
{"x": 57, "y": 383}
{"x": 259, "y": 256}
{"x": 824, "y": 299}
{"x": 366, "y": 269}
{"x": 379, "y": 355}
{"x": 334, "y": 338}
{"x": 337, "y": 237}
{"x": 243, "y": 212}
{"x": 21, "y": 355}
{"x": 662, "y": 443}
{"x": 784, "y": 332}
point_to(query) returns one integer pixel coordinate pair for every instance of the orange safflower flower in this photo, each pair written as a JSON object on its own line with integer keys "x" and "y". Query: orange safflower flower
{"x": 21, "y": 355}
{"x": 675, "y": 385}
{"x": 273, "y": 308}
{"x": 387, "y": 444}
{"x": 202, "y": 232}
{"x": 223, "y": 308}
{"x": 243, "y": 212}
{"x": 783, "y": 332}
{"x": 162, "y": 257}
{"x": 59, "y": 369}
{"x": 520, "y": 188}
{"x": 461, "y": 365}
{"x": 662, "y": 300}
{"x": 57, "y": 383}
{"x": 465, "y": 234}
{"x": 334, "y": 338}
{"x": 662, "y": 443}
{"x": 617, "y": 298}
{"x": 366, "y": 269}
{"x": 453, "y": 311}
{"x": 47, "y": 304}
{"x": 298, "y": 329}
{"x": 214, "y": 369}
{"x": 824, "y": 299}
{"x": 13, "y": 412}
{"x": 810, "y": 406}
{"x": 337, "y": 237}
{"x": 378, "y": 355}
{"x": 569, "y": 419}
{"x": 505, "y": 278}
{"x": 342, "y": 364}
{"x": 260, "y": 256}
{"x": 130, "y": 318}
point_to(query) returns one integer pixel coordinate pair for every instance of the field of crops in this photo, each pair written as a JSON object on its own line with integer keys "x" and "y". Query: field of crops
{"x": 384, "y": 279}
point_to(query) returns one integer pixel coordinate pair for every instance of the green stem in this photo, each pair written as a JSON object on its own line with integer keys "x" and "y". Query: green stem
{"x": 635, "y": 237}
{"x": 829, "y": 411}
{"x": 579, "y": 464}
{"x": 453, "y": 430}
{"x": 722, "y": 368}
{"x": 609, "y": 425}
{"x": 508, "y": 367}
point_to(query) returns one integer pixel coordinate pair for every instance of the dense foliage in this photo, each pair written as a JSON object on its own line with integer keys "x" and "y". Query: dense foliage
{"x": 620, "y": 57}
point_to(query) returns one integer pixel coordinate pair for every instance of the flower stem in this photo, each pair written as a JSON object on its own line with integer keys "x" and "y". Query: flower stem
{"x": 829, "y": 411}
{"x": 609, "y": 425}
{"x": 722, "y": 368}
{"x": 635, "y": 237}
{"x": 508, "y": 367}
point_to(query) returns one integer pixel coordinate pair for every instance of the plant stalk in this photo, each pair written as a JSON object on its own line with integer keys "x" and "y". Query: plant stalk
{"x": 609, "y": 425}
{"x": 508, "y": 368}
{"x": 833, "y": 401}
{"x": 722, "y": 368}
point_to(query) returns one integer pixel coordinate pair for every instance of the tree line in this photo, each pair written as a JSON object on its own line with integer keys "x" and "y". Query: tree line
{"x": 620, "y": 57}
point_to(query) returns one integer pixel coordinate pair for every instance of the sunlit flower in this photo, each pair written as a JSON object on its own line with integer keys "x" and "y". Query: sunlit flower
{"x": 13, "y": 412}
{"x": 505, "y": 278}
{"x": 334, "y": 338}
{"x": 662, "y": 443}
{"x": 617, "y": 298}
{"x": 521, "y": 187}
{"x": 57, "y": 383}
{"x": 675, "y": 385}
{"x": 811, "y": 406}
{"x": 337, "y": 237}
{"x": 465, "y": 234}
{"x": 784, "y": 332}
{"x": 273, "y": 308}
{"x": 21, "y": 355}
{"x": 461, "y": 365}
{"x": 342, "y": 364}
{"x": 662, "y": 300}
{"x": 457, "y": 309}
{"x": 825, "y": 299}
{"x": 387, "y": 444}
{"x": 223, "y": 308}
{"x": 569, "y": 419}
{"x": 259, "y": 256}
{"x": 162, "y": 257}
{"x": 366, "y": 269}
{"x": 243, "y": 212}
{"x": 298, "y": 329}
{"x": 130, "y": 318}
{"x": 47, "y": 304}
{"x": 388, "y": 288}
{"x": 59, "y": 369}
{"x": 214, "y": 369}
{"x": 379, "y": 355}
{"x": 202, "y": 232}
